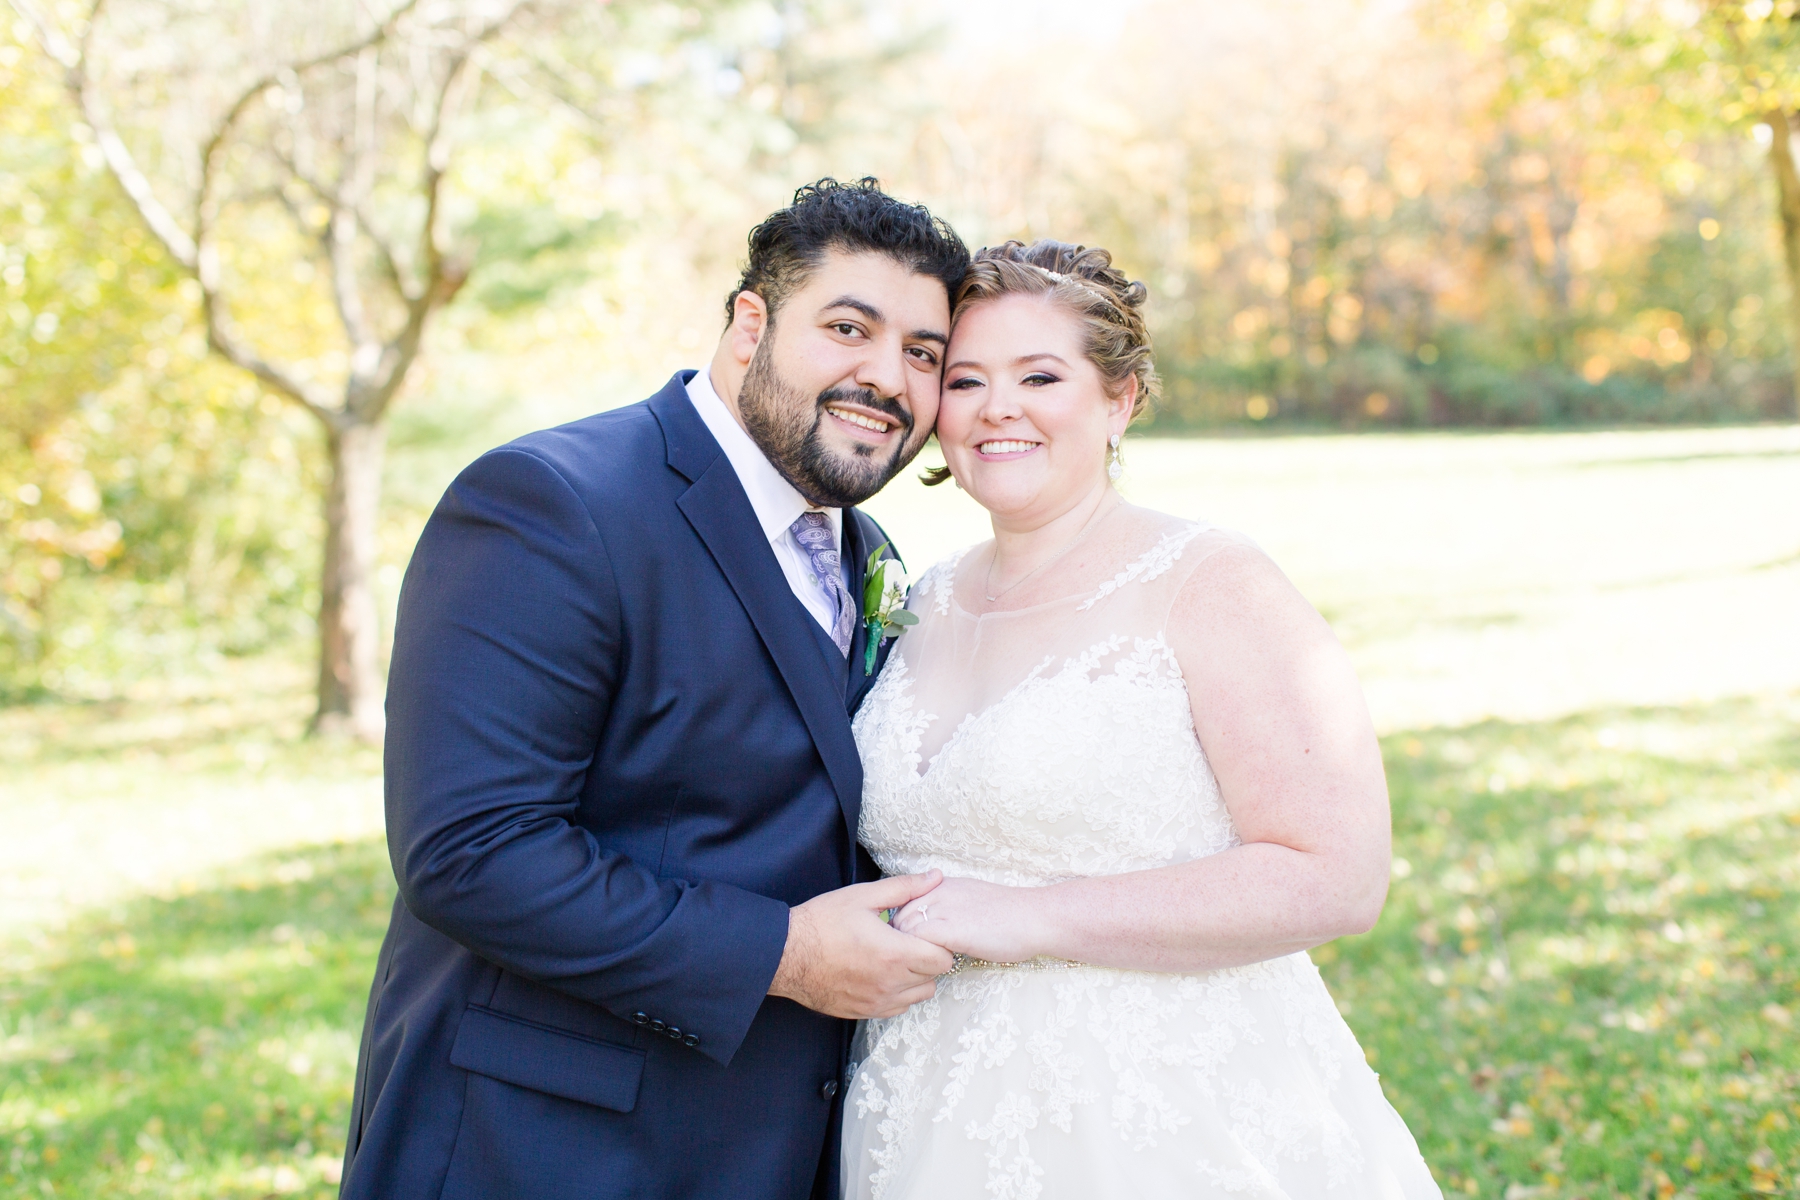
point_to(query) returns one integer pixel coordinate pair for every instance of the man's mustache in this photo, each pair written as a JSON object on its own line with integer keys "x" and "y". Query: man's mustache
{"x": 887, "y": 407}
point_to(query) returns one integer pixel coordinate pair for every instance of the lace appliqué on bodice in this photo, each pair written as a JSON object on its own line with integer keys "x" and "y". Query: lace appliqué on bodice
{"x": 1090, "y": 768}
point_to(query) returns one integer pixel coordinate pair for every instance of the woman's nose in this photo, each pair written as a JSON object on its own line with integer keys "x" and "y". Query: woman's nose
{"x": 1000, "y": 406}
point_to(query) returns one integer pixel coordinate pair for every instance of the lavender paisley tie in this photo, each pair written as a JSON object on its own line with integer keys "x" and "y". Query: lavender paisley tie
{"x": 813, "y": 531}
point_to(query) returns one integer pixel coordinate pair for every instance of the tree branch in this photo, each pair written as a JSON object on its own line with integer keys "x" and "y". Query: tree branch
{"x": 443, "y": 278}
{"x": 384, "y": 249}
{"x": 222, "y": 337}
{"x": 210, "y": 153}
{"x": 119, "y": 160}
{"x": 558, "y": 96}
{"x": 220, "y": 334}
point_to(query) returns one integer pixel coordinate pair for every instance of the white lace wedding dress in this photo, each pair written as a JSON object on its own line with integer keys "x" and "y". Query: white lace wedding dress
{"x": 1049, "y": 742}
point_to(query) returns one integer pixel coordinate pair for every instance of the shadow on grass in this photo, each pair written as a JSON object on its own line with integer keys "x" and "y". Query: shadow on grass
{"x": 195, "y": 1046}
{"x": 1585, "y": 980}
{"x": 1584, "y": 984}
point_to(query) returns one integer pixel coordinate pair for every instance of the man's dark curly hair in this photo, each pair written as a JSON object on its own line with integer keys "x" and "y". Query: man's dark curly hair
{"x": 857, "y": 218}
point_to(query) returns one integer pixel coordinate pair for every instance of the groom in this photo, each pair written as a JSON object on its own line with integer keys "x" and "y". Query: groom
{"x": 622, "y": 793}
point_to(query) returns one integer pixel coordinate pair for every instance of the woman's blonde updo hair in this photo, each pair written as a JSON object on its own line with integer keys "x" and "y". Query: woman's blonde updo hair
{"x": 1083, "y": 281}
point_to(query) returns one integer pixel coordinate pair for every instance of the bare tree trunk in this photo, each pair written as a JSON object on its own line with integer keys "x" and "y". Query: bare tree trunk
{"x": 350, "y": 693}
{"x": 1787, "y": 183}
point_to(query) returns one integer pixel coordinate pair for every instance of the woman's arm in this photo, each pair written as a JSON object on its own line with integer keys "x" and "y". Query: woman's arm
{"x": 1283, "y": 723}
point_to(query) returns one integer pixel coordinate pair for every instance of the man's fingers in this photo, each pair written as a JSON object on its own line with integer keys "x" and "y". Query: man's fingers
{"x": 923, "y": 992}
{"x": 899, "y": 1003}
{"x": 929, "y": 959}
{"x": 899, "y": 891}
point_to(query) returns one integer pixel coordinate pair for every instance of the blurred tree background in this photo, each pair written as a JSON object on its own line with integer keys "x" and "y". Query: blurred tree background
{"x": 1351, "y": 214}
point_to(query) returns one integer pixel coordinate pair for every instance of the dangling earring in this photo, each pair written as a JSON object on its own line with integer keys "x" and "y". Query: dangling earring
{"x": 1116, "y": 467}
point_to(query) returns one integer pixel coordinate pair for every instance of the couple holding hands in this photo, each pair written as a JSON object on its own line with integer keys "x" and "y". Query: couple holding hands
{"x": 719, "y": 877}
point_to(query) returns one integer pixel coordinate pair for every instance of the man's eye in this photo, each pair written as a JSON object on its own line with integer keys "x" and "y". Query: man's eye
{"x": 924, "y": 355}
{"x": 846, "y": 329}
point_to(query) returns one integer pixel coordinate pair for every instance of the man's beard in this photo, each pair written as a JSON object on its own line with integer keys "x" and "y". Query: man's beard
{"x": 789, "y": 428}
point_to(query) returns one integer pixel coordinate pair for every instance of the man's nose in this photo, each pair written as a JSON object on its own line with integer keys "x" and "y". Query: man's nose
{"x": 883, "y": 370}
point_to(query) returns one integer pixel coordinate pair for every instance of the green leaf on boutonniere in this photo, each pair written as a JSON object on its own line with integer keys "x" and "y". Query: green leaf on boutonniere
{"x": 884, "y": 604}
{"x": 873, "y": 574}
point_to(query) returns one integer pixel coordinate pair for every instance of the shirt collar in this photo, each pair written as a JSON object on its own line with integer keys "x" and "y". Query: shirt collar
{"x": 776, "y": 504}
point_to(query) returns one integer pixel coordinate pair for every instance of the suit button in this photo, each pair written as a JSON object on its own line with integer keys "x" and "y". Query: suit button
{"x": 690, "y": 1039}
{"x": 828, "y": 1089}
{"x": 656, "y": 1026}
{"x": 672, "y": 1032}
{"x": 640, "y": 1018}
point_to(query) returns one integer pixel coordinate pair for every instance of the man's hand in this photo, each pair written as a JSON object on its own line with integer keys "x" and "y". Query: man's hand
{"x": 843, "y": 960}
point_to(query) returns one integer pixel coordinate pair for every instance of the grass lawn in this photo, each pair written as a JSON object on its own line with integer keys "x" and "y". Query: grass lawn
{"x": 1585, "y": 983}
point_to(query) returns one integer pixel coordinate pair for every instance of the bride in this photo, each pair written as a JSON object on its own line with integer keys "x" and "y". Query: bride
{"x": 1145, "y": 768}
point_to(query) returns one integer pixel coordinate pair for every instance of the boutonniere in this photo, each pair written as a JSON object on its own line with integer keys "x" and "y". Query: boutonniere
{"x": 884, "y": 604}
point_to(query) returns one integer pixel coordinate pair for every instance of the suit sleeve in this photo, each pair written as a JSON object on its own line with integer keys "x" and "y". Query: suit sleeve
{"x": 505, "y": 660}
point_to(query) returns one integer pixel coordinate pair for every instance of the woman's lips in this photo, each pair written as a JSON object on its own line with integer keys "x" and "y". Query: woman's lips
{"x": 1003, "y": 448}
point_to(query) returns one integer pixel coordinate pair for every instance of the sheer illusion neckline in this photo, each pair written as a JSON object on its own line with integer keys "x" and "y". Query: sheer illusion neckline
{"x": 960, "y": 607}
{"x": 1169, "y": 543}
{"x": 923, "y": 767}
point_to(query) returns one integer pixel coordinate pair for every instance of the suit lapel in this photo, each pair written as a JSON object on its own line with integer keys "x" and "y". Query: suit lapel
{"x": 861, "y": 536}
{"x": 720, "y": 513}
{"x": 856, "y": 554}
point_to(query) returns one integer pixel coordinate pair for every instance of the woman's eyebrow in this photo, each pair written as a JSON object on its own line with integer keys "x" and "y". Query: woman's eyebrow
{"x": 964, "y": 362}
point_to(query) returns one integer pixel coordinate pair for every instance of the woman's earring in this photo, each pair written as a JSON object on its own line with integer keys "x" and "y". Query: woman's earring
{"x": 1116, "y": 467}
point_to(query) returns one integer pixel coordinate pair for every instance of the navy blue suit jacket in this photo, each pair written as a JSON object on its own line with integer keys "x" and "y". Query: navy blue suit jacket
{"x": 618, "y": 750}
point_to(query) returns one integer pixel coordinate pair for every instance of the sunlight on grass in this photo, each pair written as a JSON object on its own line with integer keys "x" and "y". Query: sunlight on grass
{"x": 150, "y": 791}
{"x": 199, "y": 1046}
{"x": 1587, "y": 975}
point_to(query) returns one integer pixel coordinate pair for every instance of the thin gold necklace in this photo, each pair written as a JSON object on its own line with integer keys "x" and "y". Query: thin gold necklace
{"x": 988, "y": 579}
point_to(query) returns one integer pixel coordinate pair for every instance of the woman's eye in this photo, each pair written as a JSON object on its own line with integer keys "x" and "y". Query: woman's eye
{"x": 963, "y": 384}
{"x": 1039, "y": 379}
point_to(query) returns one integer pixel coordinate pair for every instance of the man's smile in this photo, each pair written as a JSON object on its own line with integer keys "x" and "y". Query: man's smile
{"x": 860, "y": 418}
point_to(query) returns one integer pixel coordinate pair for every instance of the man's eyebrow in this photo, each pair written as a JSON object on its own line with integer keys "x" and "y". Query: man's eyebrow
{"x": 874, "y": 314}
{"x": 862, "y": 306}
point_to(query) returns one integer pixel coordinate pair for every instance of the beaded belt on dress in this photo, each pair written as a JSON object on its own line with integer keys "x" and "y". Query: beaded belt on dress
{"x": 963, "y": 962}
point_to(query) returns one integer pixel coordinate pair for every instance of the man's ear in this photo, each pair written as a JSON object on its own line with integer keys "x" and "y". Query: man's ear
{"x": 749, "y": 321}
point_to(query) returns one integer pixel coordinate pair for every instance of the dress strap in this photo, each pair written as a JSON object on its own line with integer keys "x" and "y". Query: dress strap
{"x": 1152, "y": 563}
{"x": 938, "y": 583}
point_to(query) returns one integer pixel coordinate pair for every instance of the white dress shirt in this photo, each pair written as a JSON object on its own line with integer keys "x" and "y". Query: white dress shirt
{"x": 776, "y": 504}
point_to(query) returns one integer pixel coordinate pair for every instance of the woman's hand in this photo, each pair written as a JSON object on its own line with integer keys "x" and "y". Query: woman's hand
{"x": 982, "y": 920}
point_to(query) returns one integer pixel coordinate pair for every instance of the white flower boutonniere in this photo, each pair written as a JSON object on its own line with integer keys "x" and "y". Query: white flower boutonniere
{"x": 884, "y": 604}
